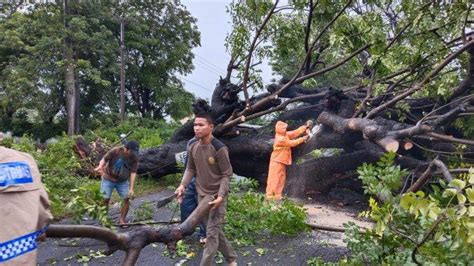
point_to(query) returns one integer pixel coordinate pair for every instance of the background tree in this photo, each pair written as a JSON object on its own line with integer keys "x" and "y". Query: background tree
{"x": 40, "y": 44}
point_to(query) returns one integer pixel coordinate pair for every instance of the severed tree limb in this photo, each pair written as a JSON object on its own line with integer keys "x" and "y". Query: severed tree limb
{"x": 325, "y": 228}
{"x": 370, "y": 129}
{"x": 421, "y": 85}
{"x": 379, "y": 133}
{"x": 134, "y": 241}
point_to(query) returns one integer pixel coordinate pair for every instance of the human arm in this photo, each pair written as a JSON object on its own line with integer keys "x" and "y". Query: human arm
{"x": 131, "y": 190}
{"x": 225, "y": 168}
{"x": 301, "y": 130}
{"x": 297, "y": 132}
{"x": 285, "y": 142}
{"x": 100, "y": 167}
{"x": 103, "y": 162}
{"x": 188, "y": 174}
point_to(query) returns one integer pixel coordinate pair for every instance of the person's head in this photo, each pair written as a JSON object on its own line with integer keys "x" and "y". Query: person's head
{"x": 280, "y": 127}
{"x": 132, "y": 148}
{"x": 203, "y": 125}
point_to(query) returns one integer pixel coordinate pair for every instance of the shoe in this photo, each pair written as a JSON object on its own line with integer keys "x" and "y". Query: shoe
{"x": 202, "y": 240}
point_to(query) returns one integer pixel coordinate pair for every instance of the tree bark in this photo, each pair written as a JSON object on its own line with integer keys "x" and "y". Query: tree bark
{"x": 69, "y": 77}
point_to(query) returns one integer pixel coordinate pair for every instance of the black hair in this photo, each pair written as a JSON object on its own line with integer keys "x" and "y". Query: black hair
{"x": 202, "y": 109}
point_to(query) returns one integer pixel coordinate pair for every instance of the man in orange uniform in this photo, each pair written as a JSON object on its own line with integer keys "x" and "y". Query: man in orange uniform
{"x": 281, "y": 156}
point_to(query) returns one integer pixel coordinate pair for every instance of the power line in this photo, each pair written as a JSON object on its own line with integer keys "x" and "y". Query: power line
{"x": 210, "y": 63}
{"x": 208, "y": 68}
{"x": 202, "y": 62}
{"x": 196, "y": 84}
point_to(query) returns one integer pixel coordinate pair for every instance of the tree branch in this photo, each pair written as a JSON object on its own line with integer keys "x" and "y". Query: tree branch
{"x": 252, "y": 47}
{"x": 331, "y": 67}
{"x": 423, "y": 178}
{"x": 450, "y": 139}
{"x": 308, "y": 30}
{"x": 425, "y": 81}
{"x": 367, "y": 97}
{"x": 134, "y": 241}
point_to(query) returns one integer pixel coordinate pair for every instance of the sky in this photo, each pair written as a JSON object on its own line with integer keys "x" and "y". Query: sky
{"x": 211, "y": 58}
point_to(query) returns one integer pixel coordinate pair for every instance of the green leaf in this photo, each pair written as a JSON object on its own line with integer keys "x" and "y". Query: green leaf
{"x": 407, "y": 200}
{"x": 470, "y": 194}
{"x": 470, "y": 211}
{"x": 462, "y": 210}
{"x": 449, "y": 192}
{"x": 457, "y": 183}
{"x": 261, "y": 251}
{"x": 461, "y": 198}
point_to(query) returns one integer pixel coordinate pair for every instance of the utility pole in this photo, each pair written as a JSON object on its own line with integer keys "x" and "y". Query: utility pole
{"x": 122, "y": 71}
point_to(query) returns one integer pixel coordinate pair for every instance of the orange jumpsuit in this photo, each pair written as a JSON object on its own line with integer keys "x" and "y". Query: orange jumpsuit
{"x": 281, "y": 157}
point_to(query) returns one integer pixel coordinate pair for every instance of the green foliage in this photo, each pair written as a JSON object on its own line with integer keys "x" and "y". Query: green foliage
{"x": 319, "y": 153}
{"x": 143, "y": 212}
{"x": 466, "y": 125}
{"x": 249, "y": 214}
{"x": 182, "y": 250}
{"x": 57, "y": 164}
{"x": 149, "y": 133}
{"x": 87, "y": 200}
{"x": 400, "y": 34}
{"x": 383, "y": 178}
{"x": 434, "y": 229}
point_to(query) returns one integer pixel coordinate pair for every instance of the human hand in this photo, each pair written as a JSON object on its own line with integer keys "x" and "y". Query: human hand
{"x": 131, "y": 194}
{"x": 309, "y": 123}
{"x": 179, "y": 193}
{"x": 305, "y": 138}
{"x": 99, "y": 170}
{"x": 217, "y": 202}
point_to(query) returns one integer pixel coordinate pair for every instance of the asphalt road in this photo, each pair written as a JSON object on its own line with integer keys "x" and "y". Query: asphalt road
{"x": 270, "y": 250}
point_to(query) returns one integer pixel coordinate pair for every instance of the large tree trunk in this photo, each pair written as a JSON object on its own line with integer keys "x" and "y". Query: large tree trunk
{"x": 69, "y": 79}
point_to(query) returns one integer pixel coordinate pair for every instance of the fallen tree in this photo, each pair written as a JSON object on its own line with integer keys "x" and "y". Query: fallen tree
{"x": 381, "y": 92}
{"x": 359, "y": 121}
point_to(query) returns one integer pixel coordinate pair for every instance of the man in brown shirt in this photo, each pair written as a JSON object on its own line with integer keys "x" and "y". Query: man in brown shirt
{"x": 208, "y": 161}
{"x": 119, "y": 169}
{"x": 24, "y": 207}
